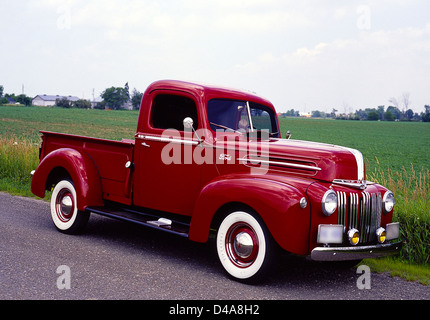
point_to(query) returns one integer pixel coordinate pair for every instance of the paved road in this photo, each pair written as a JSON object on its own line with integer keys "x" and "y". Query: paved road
{"x": 116, "y": 260}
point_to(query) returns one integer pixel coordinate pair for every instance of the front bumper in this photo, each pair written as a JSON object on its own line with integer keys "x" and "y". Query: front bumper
{"x": 355, "y": 253}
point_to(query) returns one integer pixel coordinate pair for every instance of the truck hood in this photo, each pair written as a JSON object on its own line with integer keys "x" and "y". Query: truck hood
{"x": 317, "y": 160}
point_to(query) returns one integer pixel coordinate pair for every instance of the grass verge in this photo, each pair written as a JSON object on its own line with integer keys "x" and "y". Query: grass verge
{"x": 400, "y": 268}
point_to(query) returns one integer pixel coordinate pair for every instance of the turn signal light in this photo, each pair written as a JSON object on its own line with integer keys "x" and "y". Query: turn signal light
{"x": 353, "y": 236}
{"x": 380, "y": 235}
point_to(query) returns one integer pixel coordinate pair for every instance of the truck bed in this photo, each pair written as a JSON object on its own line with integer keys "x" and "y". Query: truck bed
{"x": 110, "y": 157}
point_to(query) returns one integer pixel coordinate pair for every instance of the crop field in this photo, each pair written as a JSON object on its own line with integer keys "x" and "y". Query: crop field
{"x": 25, "y": 122}
{"x": 388, "y": 145}
{"x": 385, "y": 145}
{"x": 397, "y": 154}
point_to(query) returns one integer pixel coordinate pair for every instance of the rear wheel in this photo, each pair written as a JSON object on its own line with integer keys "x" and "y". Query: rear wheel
{"x": 64, "y": 210}
{"x": 244, "y": 246}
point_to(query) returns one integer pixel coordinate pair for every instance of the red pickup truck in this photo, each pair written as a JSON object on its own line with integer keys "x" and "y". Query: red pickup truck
{"x": 209, "y": 159}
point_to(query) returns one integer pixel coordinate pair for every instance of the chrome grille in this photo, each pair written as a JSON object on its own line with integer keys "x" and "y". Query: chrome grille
{"x": 362, "y": 211}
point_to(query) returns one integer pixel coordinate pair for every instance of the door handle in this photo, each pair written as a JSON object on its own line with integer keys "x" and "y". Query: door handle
{"x": 145, "y": 145}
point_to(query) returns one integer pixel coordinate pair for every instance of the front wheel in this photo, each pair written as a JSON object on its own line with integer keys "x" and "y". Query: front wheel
{"x": 244, "y": 246}
{"x": 64, "y": 210}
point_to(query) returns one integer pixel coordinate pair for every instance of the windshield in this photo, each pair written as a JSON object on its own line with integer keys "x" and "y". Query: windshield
{"x": 241, "y": 116}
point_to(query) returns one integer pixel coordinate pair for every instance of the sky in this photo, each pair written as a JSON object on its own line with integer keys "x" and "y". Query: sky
{"x": 304, "y": 55}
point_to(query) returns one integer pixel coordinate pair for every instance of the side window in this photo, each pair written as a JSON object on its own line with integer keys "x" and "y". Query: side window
{"x": 169, "y": 112}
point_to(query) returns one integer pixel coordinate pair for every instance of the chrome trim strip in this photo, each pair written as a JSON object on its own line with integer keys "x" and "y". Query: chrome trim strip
{"x": 356, "y": 184}
{"x": 368, "y": 216}
{"x": 355, "y": 253}
{"x": 168, "y": 140}
{"x": 278, "y": 163}
{"x": 342, "y": 204}
{"x": 353, "y": 223}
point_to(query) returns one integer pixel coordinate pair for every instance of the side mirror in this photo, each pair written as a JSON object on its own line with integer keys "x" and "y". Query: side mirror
{"x": 188, "y": 123}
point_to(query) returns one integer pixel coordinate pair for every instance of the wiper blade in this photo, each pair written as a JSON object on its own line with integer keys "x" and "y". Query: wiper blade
{"x": 223, "y": 127}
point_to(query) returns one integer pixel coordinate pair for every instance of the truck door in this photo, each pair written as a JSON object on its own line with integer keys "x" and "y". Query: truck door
{"x": 165, "y": 177}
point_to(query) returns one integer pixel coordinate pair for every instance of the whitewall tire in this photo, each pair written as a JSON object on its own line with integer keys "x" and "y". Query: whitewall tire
{"x": 64, "y": 209}
{"x": 244, "y": 246}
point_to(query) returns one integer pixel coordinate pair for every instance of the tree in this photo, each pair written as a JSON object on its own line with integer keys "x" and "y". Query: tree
{"x": 406, "y": 101}
{"x": 381, "y": 112}
{"x": 409, "y": 114}
{"x": 136, "y": 99}
{"x": 63, "y": 103}
{"x": 82, "y": 104}
{"x": 24, "y": 99}
{"x": 388, "y": 116}
{"x": 402, "y": 104}
{"x": 316, "y": 114}
{"x": 395, "y": 111}
{"x": 1, "y": 91}
{"x": 373, "y": 115}
{"x": 425, "y": 116}
{"x": 115, "y": 97}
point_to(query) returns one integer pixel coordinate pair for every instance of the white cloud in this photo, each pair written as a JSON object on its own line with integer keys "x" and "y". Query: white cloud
{"x": 363, "y": 71}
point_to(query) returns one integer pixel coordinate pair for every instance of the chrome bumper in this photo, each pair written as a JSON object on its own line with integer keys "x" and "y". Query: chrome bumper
{"x": 355, "y": 253}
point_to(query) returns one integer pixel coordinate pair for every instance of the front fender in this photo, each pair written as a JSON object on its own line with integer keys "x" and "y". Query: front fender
{"x": 80, "y": 168}
{"x": 277, "y": 203}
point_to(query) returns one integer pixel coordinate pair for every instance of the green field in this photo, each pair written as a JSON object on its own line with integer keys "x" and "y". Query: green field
{"x": 396, "y": 155}
{"x": 25, "y": 122}
{"x": 395, "y": 145}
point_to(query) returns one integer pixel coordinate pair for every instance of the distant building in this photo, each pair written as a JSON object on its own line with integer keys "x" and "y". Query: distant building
{"x": 11, "y": 101}
{"x": 306, "y": 114}
{"x": 48, "y": 100}
{"x": 96, "y": 102}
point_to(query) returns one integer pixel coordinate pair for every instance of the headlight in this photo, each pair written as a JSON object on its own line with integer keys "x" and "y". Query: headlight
{"x": 329, "y": 203}
{"x": 388, "y": 201}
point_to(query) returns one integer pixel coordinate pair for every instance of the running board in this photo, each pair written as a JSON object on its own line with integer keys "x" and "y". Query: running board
{"x": 144, "y": 219}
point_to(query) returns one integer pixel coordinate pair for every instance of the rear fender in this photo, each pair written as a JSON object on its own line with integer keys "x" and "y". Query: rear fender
{"x": 277, "y": 203}
{"x": 79, "y": 167}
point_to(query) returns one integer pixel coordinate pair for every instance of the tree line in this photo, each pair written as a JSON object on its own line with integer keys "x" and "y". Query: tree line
{"x": 114, "y": 98}
{"x": 117, "y": 98}
{"x": 21, "y": 99}
{"x": 392, "y": 113}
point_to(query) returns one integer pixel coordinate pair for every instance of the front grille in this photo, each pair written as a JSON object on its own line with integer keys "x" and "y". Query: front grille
{"x": 362, "y": 211}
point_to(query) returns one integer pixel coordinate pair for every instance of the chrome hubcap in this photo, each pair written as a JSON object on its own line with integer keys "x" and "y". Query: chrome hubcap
{"x": 243, "y": 245}
{"x": 65, "y": 205}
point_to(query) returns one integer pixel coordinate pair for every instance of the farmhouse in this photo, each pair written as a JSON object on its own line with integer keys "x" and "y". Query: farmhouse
{"x": 10, "y": 100}
{"x": 48, "y": 100}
